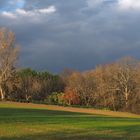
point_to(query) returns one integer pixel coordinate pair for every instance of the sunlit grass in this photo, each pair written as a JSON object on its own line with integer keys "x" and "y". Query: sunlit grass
{"x": 29, "y": 123}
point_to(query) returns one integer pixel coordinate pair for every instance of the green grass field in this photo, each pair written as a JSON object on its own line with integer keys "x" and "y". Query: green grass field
{"x": 19, "y": 122}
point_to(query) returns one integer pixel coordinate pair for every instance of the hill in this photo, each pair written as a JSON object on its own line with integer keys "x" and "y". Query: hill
{"x": 19, "y": 121}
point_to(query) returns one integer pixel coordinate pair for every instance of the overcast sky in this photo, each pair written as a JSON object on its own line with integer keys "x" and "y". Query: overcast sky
{"x": 76, "y": 34}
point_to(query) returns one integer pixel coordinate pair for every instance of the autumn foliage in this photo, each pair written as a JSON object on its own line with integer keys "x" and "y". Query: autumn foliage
{"x": 70, "y": 97}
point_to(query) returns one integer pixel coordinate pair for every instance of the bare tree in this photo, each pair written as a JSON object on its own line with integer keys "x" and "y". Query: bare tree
{"x": 125, "y": 77}
{"x": 8, "y": 57}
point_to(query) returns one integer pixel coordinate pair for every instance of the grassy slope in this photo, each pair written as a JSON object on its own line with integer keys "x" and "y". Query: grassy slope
{"x": 41, "y": 122}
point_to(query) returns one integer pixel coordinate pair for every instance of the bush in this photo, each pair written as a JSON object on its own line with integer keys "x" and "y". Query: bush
{"x": 55, "y": 99}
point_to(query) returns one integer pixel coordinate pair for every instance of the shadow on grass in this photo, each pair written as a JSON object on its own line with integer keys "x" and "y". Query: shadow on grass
{"x": 44, "y": 115}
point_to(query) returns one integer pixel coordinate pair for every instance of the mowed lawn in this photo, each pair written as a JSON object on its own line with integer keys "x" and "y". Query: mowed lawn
{"x": 42, "y": 122}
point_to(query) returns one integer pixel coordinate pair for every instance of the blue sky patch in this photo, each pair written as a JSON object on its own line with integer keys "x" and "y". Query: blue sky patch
{"x": 12, "y": 5}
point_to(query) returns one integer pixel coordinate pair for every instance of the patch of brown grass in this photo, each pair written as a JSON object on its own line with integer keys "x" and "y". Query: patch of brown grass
{"x": 71, "y": 109}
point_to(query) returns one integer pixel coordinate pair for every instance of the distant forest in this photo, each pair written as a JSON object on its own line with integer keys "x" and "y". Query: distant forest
{"x": 114, "y": 86}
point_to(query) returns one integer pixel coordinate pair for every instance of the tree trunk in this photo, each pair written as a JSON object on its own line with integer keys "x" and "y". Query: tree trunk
{"x": 2, "y": 93}
{"x": 113, "y": 102}
{"x": 126, "y": 97}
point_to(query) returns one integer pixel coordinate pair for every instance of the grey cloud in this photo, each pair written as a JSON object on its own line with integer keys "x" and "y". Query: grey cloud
{"x": 76, "y": 36}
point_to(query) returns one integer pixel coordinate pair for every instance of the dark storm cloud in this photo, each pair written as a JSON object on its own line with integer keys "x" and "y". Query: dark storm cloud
{"x": 78, "y": 34}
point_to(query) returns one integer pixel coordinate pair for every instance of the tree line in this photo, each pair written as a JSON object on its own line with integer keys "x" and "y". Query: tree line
{"x": 114, "y": 86}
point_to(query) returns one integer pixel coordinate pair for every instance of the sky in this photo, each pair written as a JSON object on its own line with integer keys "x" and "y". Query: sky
{"x": 74, "y": 34}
